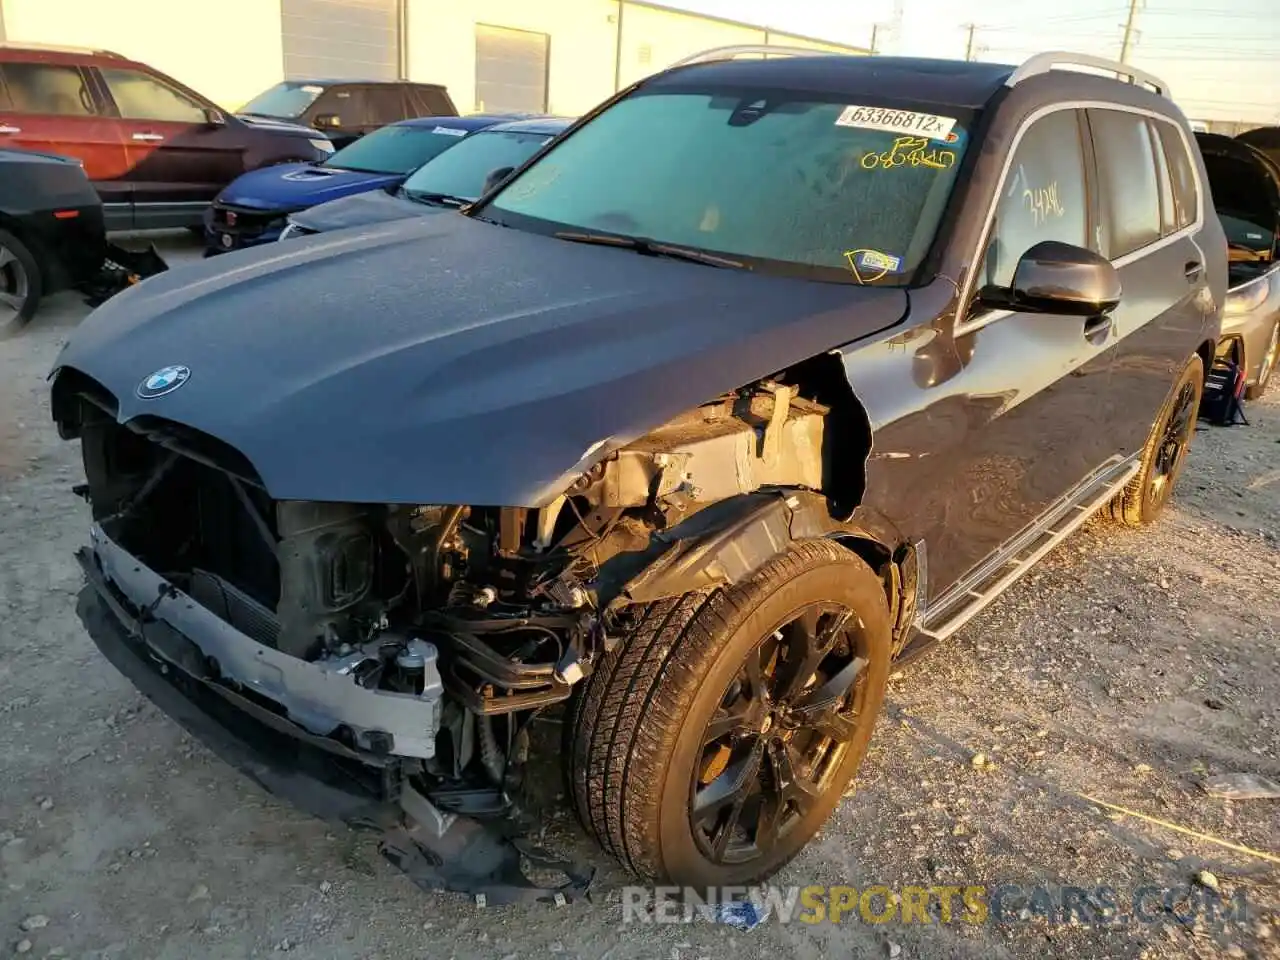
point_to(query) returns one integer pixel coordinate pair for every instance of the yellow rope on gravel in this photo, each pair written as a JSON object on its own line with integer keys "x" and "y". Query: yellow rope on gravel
{"x": 1269, "y": 857}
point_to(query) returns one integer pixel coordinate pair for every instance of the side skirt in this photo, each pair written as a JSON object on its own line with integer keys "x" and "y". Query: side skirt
{"x": 1001, "y": 570}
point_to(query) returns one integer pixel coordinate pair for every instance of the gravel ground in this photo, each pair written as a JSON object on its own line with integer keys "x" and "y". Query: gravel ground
{"x": 1128, "y": 667}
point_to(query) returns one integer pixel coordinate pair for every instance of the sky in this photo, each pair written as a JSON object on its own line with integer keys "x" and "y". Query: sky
{"x": 1220, "y": 58}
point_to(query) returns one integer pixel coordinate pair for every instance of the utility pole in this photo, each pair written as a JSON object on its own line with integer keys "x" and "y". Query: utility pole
{"x": 1127, "y": 42}
{"x": 968, "y": 47}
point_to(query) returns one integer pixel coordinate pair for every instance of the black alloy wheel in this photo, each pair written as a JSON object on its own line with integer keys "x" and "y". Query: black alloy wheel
{"x": 781, "y": 731}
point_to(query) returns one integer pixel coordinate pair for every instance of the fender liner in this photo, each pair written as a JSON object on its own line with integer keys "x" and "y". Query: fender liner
{"x": 727, "y": 542}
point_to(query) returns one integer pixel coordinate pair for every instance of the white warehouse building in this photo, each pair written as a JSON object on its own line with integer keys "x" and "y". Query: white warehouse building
{"x": 555, "y": 56}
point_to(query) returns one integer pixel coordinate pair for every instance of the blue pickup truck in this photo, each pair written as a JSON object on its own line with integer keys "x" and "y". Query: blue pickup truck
{"x": 253, "y": 208}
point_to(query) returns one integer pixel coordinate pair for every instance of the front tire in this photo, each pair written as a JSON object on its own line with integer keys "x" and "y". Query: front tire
{"x": 1165, "y": 453}
{"x": 712, "y": 745}
{"x": 21, "y": 284}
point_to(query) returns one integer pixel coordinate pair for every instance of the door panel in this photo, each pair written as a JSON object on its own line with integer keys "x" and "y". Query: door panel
{"x": 51, "y": 108}
{"x": 1163, "y": 272}
{"x": 1008, "y": 411}
{"x": 178, "y": 161}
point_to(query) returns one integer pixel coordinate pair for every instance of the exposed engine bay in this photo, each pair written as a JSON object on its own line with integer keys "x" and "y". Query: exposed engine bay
{"x": 426, "y": 635}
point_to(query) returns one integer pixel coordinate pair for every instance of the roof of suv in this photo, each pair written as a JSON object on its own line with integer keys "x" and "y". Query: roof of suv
{"x": 956, "y": 82}
{"x": 58, "y": 53}
{"x": 340, "y": 81}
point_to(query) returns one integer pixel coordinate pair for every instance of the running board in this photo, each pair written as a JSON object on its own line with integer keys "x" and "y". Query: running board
{"x": 968, "y": 598}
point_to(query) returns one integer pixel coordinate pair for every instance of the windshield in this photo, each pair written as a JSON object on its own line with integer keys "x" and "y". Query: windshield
{"x": 395, "y": 149}
{"x": 799, "y": 185}
{"x": 461, "y": 172}
{"x": 284, "y": 100}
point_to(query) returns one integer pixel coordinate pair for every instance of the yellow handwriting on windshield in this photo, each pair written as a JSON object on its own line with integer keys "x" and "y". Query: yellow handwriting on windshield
{"x": 910, "y": 151}
{"x": 1043, "y": 203}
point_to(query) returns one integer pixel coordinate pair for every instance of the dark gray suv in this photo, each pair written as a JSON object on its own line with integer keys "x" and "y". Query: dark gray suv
{"x": 767, "y": 375}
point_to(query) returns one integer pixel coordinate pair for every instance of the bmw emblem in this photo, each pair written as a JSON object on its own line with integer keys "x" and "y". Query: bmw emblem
{"x": 165, "y": 380}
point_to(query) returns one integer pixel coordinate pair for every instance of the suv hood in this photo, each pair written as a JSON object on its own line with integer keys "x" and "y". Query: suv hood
{"x": 448, "y": 360}
{"x": 294, "y": 186}
{"x": 363, "y": 210}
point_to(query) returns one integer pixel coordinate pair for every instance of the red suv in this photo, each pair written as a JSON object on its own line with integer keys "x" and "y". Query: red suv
{"x": 156, "y": 151}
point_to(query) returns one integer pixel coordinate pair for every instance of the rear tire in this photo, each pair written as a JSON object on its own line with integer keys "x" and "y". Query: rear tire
{"x": 700, "y": 753}
{"x": 21, "y": 284}
{"x": 1268, "y": 367}
{"x": 1165, "y": 453}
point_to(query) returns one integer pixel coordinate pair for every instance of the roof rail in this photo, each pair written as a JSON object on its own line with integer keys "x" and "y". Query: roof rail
{"x": 1044, "y": 62}
{"x": 59, "y": 48}
{"x": 761, "y": 49}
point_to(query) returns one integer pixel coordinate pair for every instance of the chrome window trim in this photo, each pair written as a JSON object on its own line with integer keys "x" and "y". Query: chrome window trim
{"x": 963, "y": 326}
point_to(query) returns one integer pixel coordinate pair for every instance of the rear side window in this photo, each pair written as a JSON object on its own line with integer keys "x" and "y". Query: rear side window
{"x": 1181, "y": 175}
{"x": 386, "y": 105}
{"x": 431, "y": 102}
{"x": 140, "y": 96}
{"x": 1168, "y": 214}
{"x": 1043, "y": 196}
{"x": 48, "y": 88}
{"x": 1128, "y": 182}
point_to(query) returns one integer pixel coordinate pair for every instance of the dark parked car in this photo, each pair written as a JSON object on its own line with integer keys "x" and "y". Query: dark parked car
{"x": 345, "y": 110}
{"x": 447, "y": 182}
{"x": 768, "y": 374}
{"x": 51, "y": 232}
{"x": 1245, "y": 184}
{"x": 156, "y": 151}
{"x": 253, "y": 208}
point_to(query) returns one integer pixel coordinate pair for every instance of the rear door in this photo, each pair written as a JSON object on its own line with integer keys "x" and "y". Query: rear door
{"x": 52, "y": 108}
{"x": 178, "y": 159}
{"x": 1149, "y": 206}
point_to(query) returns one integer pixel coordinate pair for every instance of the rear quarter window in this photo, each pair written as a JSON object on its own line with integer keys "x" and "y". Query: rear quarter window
{"x": 1181, "y": 174}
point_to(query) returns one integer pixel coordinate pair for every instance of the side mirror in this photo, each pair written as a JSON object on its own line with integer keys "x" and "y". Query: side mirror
{"x": 214, "y": 118}
{"x": 328, "y": 120}
{"x": 495, "y": 177}
{"x": 1059, "y": 278}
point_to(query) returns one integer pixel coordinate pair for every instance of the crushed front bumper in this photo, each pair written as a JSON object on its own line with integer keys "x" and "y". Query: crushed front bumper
{"x": 317, "y": 774}
{"x": 319, "y": 698}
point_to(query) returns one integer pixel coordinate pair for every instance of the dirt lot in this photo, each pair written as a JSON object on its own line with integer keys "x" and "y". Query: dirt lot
{"x": 1125, "y": 669}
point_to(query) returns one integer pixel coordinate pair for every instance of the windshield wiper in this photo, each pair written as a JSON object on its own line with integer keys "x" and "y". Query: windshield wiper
{"x": 437, "y": 199}
{"x": 652, "y": 248}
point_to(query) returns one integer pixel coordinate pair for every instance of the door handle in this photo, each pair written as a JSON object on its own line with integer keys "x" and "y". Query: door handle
{"x": 148, "y": 137}
{"x": 1193, "y": 270}
{"x": 8, "y": 129}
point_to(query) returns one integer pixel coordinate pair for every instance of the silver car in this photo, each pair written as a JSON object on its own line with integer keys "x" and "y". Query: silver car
{"x": 1246, "y": 194}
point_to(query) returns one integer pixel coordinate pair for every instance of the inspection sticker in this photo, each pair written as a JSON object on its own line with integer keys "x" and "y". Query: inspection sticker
{"x": 449, "y": 131}
{"x": 875, "y": 260}
{"x": 929, "y": 125}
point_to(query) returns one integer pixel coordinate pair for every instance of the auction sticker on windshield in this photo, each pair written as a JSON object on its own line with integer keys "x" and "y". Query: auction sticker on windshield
{"x": 931, "y": 125}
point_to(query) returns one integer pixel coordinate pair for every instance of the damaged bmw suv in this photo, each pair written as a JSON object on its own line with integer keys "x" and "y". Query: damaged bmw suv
{"x": 768, "y": 374}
